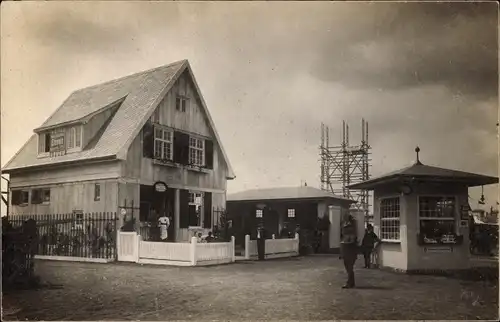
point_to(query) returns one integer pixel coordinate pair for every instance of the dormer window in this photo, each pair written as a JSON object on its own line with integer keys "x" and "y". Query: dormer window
{"x": 60, "y": 140}
{"x": 181, "y": 103}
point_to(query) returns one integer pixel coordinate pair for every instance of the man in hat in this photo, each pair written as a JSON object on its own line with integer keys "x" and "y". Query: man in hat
{"x": 368, "y": 244}
{"x": 349, "y": 248}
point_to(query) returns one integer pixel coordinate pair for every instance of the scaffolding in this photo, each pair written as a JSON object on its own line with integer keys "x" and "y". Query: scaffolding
{"x": 344, "y": 165}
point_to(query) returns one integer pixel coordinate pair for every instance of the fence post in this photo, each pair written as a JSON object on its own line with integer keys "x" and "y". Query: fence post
{"x": 137, "y": 247}
{"x": 194, "y": 241}
{"x": 247, "y": 247}
{"x": 297, "y": 243}
{"x": 233, "y": 255}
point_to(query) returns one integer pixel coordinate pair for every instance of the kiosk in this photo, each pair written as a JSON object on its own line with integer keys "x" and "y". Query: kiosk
{"x": 421, "y": 215}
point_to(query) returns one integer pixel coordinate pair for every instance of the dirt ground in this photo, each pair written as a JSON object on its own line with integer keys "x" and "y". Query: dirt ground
{"x": 306, "y": 288}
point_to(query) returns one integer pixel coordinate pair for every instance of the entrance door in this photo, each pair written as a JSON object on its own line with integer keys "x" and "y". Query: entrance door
{"x": 271, "y": 222}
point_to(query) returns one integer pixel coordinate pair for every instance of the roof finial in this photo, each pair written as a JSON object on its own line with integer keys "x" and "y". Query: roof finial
{"x": 417, "y": 149}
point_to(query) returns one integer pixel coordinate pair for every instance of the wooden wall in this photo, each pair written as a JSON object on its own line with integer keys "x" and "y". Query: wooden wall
{"x": 66, "y": 197}
{"x": 146, "y": 171}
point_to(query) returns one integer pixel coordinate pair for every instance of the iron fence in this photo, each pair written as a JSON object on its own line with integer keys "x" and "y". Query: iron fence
{"x": 90, "y": 235}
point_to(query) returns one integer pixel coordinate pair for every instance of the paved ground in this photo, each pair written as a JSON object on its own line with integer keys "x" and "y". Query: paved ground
{"x": 291, "y": 289}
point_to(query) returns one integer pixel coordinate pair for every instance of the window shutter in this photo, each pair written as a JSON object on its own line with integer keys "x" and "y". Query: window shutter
{"x": 177, "y": 147}
{"x": 48, "y": 142}
{"x": 209, "y": 154}
{"x": 16, "y": 197}
{"x": 193, "y": 218}
{"x": 181, "y": 147}
{"x": 207, "y": 209}
{"x": 148, "y": 140}
{"x": 185, "y": 148}
{"x": 184, "y": 208}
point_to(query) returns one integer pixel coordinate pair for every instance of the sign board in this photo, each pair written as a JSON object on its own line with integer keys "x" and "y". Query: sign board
{"x": 57, "y": 142}
{"x": 438, "y": 249}
{"x": 160, "y": 186}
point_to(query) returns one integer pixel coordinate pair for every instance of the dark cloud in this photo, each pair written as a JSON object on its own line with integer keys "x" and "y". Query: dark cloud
{"x": 412, "y": 44}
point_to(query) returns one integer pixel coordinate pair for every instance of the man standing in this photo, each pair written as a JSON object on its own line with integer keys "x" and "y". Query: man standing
{"x": 349, "y": 248}
{"x": 164, "y": 223}
{"x": 368, "y": 244}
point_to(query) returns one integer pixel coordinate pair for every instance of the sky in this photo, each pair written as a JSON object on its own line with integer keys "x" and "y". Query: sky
{"x": 421, "y": 74}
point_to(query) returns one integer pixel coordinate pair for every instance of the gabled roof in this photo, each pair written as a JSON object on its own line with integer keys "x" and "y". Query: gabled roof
{"x": 141, "y": 94}
{"x": 430, "y": 173}
{"x": 285, "y": 193}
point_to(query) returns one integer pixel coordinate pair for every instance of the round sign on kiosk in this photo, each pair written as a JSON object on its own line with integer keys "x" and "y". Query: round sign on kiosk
{"x": 160, "y": 186}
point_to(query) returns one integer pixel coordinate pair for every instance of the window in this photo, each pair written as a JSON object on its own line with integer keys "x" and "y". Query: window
{"x": 97, "y": 192}
{"x": 163, "y": 144}
{"x": 389, "y": 219}
{"x": 195, "y": 208}
{"x": 181, "y": 103}
{"x": 78, "y": 137}
{"x": 196, "y": 151}
{"x": 20, "y": 197}
{"x": 71, "y": 138}
{"x": 74, "y": 137}
{"x": 39, "y": 196}
{"x": 291, "y": 213}
{"x": 436, "y": 217}
{"x": 44, "y": 142}
{"x": 258, "y": 213}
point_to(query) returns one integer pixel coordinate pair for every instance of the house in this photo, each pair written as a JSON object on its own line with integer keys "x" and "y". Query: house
{"x": 277, "y": 207}
{"x": 421, "y": 213}
{"x": 140, "y": 145}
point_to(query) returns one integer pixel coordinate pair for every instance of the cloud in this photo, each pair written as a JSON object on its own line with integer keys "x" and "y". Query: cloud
{"x": 413, "y": 44}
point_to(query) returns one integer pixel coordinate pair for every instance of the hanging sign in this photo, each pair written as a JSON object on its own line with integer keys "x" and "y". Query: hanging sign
{"x": 57, "y": 142}
{"x": 160, "y": 186}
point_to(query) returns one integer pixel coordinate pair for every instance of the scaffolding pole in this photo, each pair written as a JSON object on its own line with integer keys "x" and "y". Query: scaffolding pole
{"x": 346, "y": 164}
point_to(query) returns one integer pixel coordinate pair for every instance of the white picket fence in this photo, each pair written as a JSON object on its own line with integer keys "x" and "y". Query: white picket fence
{"x": 132, "y": 249}
{"x": 275, "y": 248}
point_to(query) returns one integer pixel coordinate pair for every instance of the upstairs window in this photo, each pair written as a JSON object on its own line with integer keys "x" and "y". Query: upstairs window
{"x": 163, "y": 146}
{"x": 44, "y": 141}
{"x": 74, "y": 138}
{"x": 196, "y": 151}
{"x": 291, "y": 213}
{"x": 181, "y": 103}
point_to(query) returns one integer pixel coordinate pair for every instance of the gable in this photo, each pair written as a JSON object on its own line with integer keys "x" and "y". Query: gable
{"x": 193, "y": 118}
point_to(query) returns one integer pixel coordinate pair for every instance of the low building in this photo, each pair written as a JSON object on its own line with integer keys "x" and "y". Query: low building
{"x": 276, "y": 208}
{"x": 422, "y": 216}
{"x": 142, "y": 146}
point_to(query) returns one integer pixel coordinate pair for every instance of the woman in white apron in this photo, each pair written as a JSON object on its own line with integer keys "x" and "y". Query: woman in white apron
{"x": 164, "y": 223}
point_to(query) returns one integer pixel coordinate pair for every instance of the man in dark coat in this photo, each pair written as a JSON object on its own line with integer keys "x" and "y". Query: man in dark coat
{"x": 368, "y": 244}
{"x": 349, "y": 248}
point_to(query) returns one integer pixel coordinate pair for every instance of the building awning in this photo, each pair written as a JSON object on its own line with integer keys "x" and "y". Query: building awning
{"x": 422, "y": 172}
